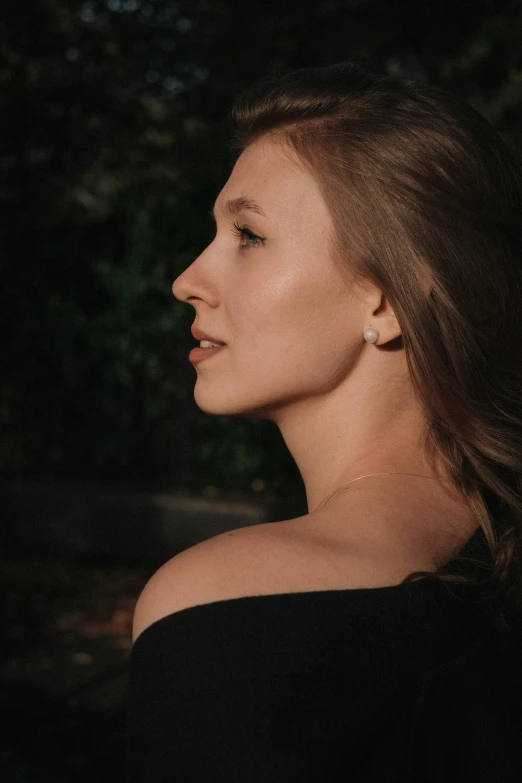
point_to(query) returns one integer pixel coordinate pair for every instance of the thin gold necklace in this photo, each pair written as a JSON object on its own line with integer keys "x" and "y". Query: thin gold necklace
{"x": 419, "y": 475}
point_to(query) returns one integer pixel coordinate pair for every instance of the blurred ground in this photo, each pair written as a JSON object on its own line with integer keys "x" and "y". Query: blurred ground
{"x": 65, "y": 647}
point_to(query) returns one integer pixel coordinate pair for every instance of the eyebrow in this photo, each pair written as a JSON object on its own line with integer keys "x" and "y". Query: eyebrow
{"x": 236, "y": 205}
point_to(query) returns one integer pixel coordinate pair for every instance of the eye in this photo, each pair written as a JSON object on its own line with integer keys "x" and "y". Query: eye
{"x": 252, "y": 240}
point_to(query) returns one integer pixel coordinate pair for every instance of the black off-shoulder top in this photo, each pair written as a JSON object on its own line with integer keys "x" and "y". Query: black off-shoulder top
{"x": 418, "y": 682}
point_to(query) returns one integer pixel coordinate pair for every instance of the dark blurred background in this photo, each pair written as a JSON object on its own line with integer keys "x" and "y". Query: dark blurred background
{"x": 114, "y": 146}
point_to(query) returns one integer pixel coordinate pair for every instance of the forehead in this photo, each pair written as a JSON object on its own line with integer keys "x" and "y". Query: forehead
{"x": 273, "y": 176}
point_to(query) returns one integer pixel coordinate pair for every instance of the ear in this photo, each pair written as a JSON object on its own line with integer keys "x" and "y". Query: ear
{"x": 383, "y": 319}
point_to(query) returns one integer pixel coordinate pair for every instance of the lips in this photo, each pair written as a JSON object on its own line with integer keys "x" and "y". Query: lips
{"x": 199, "y": 335}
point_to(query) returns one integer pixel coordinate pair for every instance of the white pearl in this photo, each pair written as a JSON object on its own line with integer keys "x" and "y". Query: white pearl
{"x": 370, "y": 335}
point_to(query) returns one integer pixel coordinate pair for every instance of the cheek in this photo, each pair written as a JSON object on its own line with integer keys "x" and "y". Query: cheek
{"x": 285, "y": 309}
{"x": 289, "y": 332}
{"x": 300, "y": 309}
{"x": 280, "y": 294}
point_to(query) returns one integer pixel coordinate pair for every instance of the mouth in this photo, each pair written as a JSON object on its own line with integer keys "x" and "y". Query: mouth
{"x": 200, "y": 335}
{"x": 210, "y": 344}
{"x": 201, "y": 353}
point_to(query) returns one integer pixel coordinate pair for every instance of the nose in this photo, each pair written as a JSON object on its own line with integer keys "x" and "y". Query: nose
{"x": 191, "y": 287}
{"x": 187, "y": 282}
{"x": 196, "y": 282}
{"x": 180, "y": 287}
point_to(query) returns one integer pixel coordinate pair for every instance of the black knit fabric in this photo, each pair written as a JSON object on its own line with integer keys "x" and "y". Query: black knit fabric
{"x": 418, "y": 682}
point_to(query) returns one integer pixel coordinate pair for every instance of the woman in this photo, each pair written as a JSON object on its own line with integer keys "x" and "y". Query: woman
{"x": 365, "y": 289}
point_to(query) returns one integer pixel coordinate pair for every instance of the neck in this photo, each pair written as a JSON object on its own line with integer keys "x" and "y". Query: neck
{"x": 370, "y": 475}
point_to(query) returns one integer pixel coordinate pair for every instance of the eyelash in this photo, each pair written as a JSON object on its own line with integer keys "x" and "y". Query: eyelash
{"x": 253, "y": 239}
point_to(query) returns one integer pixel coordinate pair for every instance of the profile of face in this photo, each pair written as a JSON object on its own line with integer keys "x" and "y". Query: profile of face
{"x": 271, "y": 291}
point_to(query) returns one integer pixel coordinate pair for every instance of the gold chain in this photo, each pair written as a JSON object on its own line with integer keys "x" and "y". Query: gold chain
{"x": 420, "y": 475}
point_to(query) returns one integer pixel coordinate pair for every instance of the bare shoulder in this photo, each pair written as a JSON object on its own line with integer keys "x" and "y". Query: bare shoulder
{"x": 291, "y": 556}
{"x": 227, "y": 565}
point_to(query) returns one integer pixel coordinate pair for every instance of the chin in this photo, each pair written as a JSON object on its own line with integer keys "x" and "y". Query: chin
{"x": 217, "y": 404}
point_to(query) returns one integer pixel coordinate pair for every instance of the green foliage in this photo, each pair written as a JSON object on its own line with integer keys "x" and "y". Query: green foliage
{"x": 114, "y": 147}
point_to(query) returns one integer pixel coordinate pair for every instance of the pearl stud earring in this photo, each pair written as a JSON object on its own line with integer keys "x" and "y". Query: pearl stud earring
{"x": 371, "y": 335}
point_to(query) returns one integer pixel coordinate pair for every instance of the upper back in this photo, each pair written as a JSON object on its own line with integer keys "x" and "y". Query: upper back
{"x": 280, "y": 557}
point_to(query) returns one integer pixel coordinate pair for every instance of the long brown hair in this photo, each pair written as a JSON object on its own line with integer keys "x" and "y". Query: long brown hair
{"x": 426, "y": 199}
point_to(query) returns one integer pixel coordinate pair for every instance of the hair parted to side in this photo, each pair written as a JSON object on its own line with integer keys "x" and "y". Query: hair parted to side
{"x": 426, "y": 199}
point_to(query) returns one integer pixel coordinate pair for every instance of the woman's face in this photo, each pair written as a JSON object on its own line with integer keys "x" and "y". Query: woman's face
{"x": 291, "y": 322}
